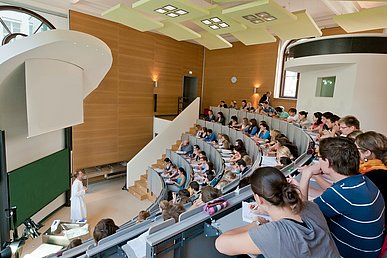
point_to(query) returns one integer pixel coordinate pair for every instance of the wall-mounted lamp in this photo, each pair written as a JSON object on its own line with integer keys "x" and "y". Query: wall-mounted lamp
{"x": 155, "y": 84}
{"x": 255, "y": 90}
{"x": 190, "y": 72}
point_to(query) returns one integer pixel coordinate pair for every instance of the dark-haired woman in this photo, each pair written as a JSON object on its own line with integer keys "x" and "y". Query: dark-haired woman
{"x": 317, "y": 122}
{"x": 104, "y": 228}
{"x": 298, "y": 229}
{"x": 303, "y": 119}
{"x": 253, "y": 128}
{"x": 177, "y": 183}
{"x": 220, "y": 118}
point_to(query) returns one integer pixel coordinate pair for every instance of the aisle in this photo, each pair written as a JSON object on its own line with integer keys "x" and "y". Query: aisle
{"x": 103, "y": 200}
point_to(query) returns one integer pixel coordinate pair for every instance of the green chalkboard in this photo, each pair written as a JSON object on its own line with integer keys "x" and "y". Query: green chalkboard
{"x": 35, "y": 185}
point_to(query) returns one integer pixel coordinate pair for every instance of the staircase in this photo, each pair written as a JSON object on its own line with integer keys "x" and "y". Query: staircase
{"x": 140, "y": 189}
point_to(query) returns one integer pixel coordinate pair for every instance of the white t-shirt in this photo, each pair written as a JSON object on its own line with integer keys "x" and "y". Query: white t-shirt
{"x": 292, "y": 118}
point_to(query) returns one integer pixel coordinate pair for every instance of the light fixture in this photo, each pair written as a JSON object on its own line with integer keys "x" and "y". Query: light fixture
{"x": 255, "y": 90}
{"x": 206, "y": 22}
{"x": 215, "y": 19}
{"x": 215, "y": 23}
{"x": 181, "y": 12}
{"x": 162, "y": 11}
{"x": 259, "y": 17}
{"x": 173, "y": 15}
{"x": 169, "y": 7}
{"x": 171, "y": 11}
{"x": 155, "y": 84}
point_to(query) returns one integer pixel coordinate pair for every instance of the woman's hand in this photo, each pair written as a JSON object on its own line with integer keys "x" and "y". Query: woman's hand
{"x": 261, "y": 220}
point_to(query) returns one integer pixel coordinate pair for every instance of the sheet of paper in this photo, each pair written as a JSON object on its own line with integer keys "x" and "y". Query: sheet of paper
{"x": 249, "y": 216}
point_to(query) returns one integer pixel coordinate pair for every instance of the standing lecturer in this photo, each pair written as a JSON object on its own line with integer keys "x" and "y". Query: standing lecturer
{"x": 78, "y": 206}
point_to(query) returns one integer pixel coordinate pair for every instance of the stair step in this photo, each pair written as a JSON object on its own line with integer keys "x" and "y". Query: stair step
{"x": 138, "y": 193}
{"x": 144, "y": 177}
{"x": 140, "y": 184}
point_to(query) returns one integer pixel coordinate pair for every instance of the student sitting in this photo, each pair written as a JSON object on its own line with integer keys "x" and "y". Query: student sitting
{"x": 303, "y": 119}
{"x": 317, "y": 122}
{"x": 372, "y": 148}
{"x": 249, "y": 107}
{"x": 244, "y": 125}
{"x": 167, "y": 166}
{"x": 253, "y": 128}
{"x": 222, "y": 104}
{"x": 281, "y": 113}
{"x": 201, "y": 132}
{"x": 274, "y": 133}
{"x": 353, "y": 205}
{"x": 324, "y": 118}
{"x": 224, "y": 142}
{"x": 298, "y": 229}
{"x": 177, "y": 183}
{"x": 181, "y": 197}
{"x": 142, "y": 215}
{"x": 244, "y": 105}
{"x": 234, "y": 123}
{"x": 267, "y": 110}
{"x": 221, "y": 119}
{"x": 210, "y": 117}
{"x": 211, "y": 137}
{"x": 185, "y": 147}
{"x": 293, "y": 117}
{"x": 233, "y": 104}
{"x": 208, "y": 193}
{"x": 194, "y": 189}
{"x": 332, "y": 125}
{"x": 104, "y": 228}
{"x": 348, "y": 124}
{"x": 247, "y": 160}
{"x": 242, "y": 167}
{"x": 239, "y": 152}
{"x": 264, "y": 132}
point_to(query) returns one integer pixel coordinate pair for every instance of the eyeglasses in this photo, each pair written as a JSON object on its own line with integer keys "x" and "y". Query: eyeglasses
{"x": 343, "y": 127}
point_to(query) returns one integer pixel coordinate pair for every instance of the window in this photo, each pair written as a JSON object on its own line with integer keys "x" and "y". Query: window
{"x": 289, "y": 80}
{"x": 325, "y": 86}
{"x": 18, "y": 22}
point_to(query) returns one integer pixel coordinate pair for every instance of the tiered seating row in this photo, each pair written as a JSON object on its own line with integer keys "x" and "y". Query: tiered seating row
{"x": 190, "y": 231}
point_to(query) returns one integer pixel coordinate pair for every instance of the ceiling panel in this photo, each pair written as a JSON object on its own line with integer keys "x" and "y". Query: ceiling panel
{"x": 303, "y": 27}
{"x": 178, "y": 31}
{"x": 260, "y": 14}
{"x": 217, "y": 23}
{"x": 211, "y": 41}
{"x": 127, "y": 16}
{"x": 176, "y": 10}
{"x": 369, "y": 19}
{"x": 254, "y": 36}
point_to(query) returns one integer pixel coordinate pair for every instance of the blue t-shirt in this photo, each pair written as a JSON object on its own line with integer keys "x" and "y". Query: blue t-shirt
{"x": 265, "y": 136}
{"x": 354, "y": 209}
{"x": 211, "y": 138}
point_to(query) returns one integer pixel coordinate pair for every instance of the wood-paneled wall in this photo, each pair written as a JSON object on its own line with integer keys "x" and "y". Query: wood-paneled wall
{"x": 252, "y": 65}
{"x": 119, "y": 113}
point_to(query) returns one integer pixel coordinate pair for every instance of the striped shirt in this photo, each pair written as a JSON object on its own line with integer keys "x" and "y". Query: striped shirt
{"x": 354, "y": 209}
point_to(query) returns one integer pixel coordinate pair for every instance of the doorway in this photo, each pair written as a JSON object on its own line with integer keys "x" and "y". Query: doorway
{"x": 190, "y": 90}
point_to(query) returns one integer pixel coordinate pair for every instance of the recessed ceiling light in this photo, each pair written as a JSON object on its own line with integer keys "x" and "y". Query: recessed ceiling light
{"x": 262, "y": 14}
{"x": 181, "y": 12}
{"x": 215, "y": 19}
{"x": 169, "y": 7}
{"x": 223, "y": 25}
{"x": 206, "y": 22}
{"x": 160, "y": 10}
{"x": 173, "y": 15}
{"x": 249, "y": 17}
{"x": 270, "y": 18}
{"x": 214, "y": 27}
{"x": 257, "y": 21}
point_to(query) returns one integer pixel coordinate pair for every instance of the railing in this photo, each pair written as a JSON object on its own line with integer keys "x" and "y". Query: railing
{"x": 156, "y": 147}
